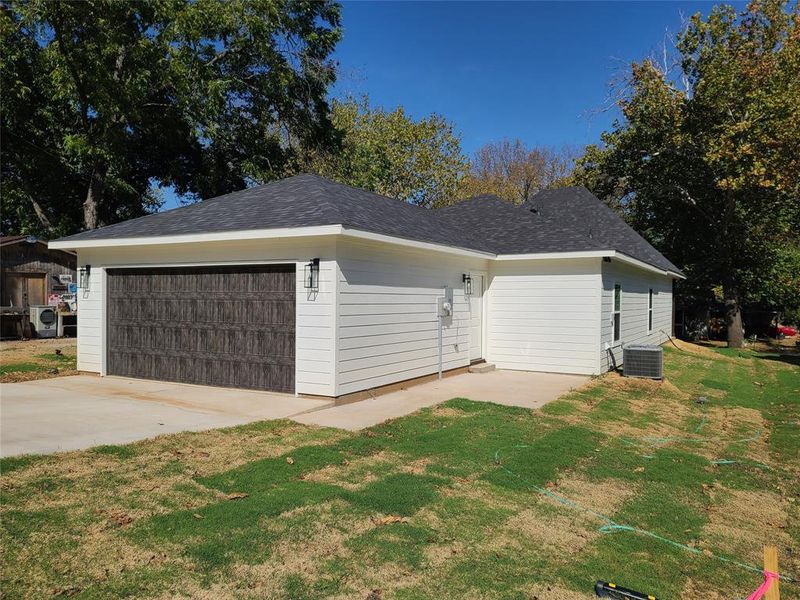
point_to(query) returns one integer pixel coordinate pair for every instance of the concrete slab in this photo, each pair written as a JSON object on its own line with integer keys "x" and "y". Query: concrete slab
{"x": 81, "y": 411}
{"x": 511, "y": 388}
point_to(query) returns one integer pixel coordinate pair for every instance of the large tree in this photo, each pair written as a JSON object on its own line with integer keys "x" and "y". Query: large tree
{"x": 512, "y": 171}
{"x": 389, "y": 152}
{"x": 105, "y": 101}
{"x": 706, "y": 160}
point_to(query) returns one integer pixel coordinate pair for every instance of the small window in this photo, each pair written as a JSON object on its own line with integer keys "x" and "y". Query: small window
{"x": 617, "y": 311}
{"x": 650, "y": 312}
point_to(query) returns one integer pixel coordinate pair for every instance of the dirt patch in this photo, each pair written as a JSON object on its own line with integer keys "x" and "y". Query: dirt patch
{"x": 740, "y": 523}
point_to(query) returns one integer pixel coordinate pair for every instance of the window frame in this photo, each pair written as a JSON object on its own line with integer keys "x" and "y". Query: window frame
{"x": 650, "y": 311}
{"x": 616, "y": 314}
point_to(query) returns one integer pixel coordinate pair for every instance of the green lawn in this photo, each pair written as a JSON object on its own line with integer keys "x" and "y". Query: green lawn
{"x": 36, "y": 359}
{"x": 620, "y": 480}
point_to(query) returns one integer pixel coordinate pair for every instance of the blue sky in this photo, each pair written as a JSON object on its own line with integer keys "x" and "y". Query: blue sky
{"x": 538, "y": 71}
{"x": 534, "y": 70}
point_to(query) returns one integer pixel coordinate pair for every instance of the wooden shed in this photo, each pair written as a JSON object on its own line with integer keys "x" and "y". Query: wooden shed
{"x": 30, "y": 274}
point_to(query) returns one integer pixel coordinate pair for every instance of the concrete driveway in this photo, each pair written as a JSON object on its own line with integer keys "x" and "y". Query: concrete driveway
{"x": 512, "y": 388}
{"x": 81, "y": 411}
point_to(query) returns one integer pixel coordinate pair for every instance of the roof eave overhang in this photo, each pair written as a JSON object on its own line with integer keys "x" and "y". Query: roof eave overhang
{"x": 262, "y": 234}
{"x": 360, "y": 234}
{"x": 189, "y": 238}
{"x": 614, "y": 254}
{"x": 646, "y": 266}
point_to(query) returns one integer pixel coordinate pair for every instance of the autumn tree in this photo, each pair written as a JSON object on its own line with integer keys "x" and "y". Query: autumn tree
{"x": 104, "y": 102}
{"x": 510, "y": 170}
{"x": 391, "y": 153}
{"x": 706, "y": 160}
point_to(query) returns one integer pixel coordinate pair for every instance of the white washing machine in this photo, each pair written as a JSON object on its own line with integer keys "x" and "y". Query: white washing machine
{"x": 44, "y": 321}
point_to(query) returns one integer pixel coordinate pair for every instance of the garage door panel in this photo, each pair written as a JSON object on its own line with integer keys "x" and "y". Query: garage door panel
{"x": 226, "y": 326}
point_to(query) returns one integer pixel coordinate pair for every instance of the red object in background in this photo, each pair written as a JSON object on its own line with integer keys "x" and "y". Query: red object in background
{"x": 785, "y": 330}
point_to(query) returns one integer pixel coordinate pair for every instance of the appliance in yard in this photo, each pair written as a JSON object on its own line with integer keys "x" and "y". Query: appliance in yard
{"x": 641, "y": 360}
{"x": 44, "y": 321}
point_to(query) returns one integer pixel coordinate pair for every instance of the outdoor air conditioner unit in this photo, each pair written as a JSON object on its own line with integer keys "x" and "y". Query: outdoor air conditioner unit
{"x": 44, "y": 321}
{"x": 639, "y": 360}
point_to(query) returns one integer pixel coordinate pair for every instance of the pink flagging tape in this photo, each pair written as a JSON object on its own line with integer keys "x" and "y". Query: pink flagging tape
{"x": 762, "y": 589}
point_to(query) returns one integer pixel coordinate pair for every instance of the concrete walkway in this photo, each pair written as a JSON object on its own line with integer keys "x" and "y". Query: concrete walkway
{"x": 511, "y": 388}
{"x": 81, "y": 411}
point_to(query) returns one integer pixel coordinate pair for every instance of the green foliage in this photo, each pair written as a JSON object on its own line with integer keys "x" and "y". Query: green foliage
{"x": 706, "y": 161}
{"x": 21, "y": 367}
{"x": 391, "y": 153}
{"x": 103, "y": 101}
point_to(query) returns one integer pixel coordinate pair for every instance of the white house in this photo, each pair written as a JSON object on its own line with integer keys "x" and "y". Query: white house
{"x": 308, "y": 286}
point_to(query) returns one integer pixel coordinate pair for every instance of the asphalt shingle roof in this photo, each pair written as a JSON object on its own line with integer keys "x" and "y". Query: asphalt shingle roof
{"x": 565, "y": 220}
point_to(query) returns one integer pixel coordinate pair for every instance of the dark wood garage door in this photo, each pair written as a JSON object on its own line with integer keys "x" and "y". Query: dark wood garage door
{"x": 226, "y": 326}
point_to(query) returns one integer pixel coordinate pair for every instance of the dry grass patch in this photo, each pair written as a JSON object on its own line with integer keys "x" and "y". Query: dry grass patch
{"x": 740, "y": 523}
{"x": 29, "y": 360}
{"x": 305, "y": 554}
{"x": 355, "y": 474}
{"x": 540, "y": 591}
{"x": 447, "y": 412}
{"x": 700, "y": 589}
{"x": 565, "y": 530}
{"x": 478, "y": 491}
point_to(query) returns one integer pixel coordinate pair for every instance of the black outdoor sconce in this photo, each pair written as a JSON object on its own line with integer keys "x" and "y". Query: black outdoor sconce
{"x": 83, "y": 276}
{"x": 312, "y": 274}
{"x": 467, "y": 279}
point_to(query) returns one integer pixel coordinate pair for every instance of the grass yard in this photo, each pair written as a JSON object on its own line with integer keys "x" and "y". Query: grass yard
{"x": 464, "y": 500}
{"x": 24, "y": 360}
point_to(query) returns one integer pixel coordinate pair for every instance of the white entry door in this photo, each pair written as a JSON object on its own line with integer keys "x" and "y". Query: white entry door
{"x": 476, "y": 319}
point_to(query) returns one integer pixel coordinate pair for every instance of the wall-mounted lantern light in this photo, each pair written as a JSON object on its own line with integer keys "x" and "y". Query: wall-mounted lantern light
{"x": 312, "y": 274}
{"x": 467, "y": 279}
{"x": 84, "y": 273}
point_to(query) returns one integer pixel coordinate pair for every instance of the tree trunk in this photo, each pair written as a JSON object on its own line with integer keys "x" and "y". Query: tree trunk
{"x": 733, "y": 316}
{"x": 93, "y": 198}
{"x": 40, "y": 214}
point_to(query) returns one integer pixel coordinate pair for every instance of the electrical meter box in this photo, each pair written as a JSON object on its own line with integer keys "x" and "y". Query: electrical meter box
{"x": 445, "y": 305}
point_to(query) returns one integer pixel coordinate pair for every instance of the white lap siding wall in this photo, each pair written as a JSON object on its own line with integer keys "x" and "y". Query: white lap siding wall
{"x": 387, "y": 313}
{"x": 636, "y": 285}
{"x": 544, "y": 315}
{"x": 315, "y": 342}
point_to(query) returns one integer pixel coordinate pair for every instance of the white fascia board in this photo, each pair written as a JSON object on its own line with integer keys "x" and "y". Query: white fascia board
{"x": 222, "y": 236}
{"x": 647, "y": 267}
{"x": 592, "y": 254}
{"x": 389, "y": 239}
{"x": 557, "y": 255}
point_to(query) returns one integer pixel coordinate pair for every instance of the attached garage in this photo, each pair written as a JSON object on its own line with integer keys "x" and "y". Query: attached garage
{"x": 230, "y": 326}
{"x": 308, "y": 286}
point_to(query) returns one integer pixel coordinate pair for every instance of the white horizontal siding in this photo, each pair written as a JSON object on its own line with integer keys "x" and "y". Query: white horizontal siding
{"x": 636, "y": 284}
{"x": 544, "y": 315}
{"x": 387, "y": 320}
{"x": 315, "y": 344}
